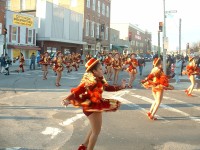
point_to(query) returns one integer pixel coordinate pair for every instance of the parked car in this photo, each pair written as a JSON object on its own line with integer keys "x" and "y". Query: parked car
{"x": 148, "y": 57}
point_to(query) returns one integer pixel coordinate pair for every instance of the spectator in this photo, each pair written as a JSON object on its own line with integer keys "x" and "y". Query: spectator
{"x": 33, "y": 57}
{"x": 38, "y": 59}
{"x": 141, "y": 64}
{"x": 178, "y": 67}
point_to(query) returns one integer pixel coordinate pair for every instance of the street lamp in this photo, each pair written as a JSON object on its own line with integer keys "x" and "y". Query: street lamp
{"x": 165, "y": 39}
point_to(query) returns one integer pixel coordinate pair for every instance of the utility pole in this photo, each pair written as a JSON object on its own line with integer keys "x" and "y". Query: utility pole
{"x": 164, "y": 37}
{"x": 158, "y": 43}
{"x": 180, "y": 36}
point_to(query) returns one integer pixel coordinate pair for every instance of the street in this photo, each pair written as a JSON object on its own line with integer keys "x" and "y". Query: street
{"x": 31, "y": 116}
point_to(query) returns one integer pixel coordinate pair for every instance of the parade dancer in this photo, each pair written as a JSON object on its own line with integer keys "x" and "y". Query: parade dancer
{"x": 21, "y": 62}
{"x": 159, "y": 82}
{"x": 68, "y": 62}
{"x": 58, "y": 67}
{"x": 88, "y": 95}
{"x": 132, "y": 69}
{"x": 108, "y": 65}
{"x": 117, "y": 66}
{"x": 45, "y": 61}
{"x": 191, "y": 70}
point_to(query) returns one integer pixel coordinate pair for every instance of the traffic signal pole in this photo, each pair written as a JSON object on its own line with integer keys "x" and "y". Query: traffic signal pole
{"x": 164, "y": 37}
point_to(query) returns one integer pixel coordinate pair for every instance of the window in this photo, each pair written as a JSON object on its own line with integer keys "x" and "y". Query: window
{"x": 23, "y": 4}
{"x": 92, "y": 29}
{"x": 108, "y": 11}
{"x": 14, "y": 34}
{"x": 94, "y": 5}
{"x": 97, "y": 31}
{"x": 30, "y": 36}
{"x": 99, "y": 7}
{"x": 88, "y": 3}
{"x": 106, "y": 34}
{"x": 8, "y": 4}
{"x": 87, "y": 29}
{"x": 103, "y": 9}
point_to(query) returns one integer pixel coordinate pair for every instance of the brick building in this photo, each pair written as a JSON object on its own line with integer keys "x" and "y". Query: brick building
{"x": 2, "y": 25}
{"x": 139, "y": 40}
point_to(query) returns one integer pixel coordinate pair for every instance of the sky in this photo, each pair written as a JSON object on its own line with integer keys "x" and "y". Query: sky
{"x": 148, "y": 13}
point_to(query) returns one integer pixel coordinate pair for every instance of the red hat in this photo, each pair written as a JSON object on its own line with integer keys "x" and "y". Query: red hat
{"x": 91, "y": 63}
{"x": 155, "y": 61}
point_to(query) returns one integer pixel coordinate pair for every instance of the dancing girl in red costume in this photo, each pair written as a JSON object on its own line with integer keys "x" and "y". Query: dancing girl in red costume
{"x": 21, "y": 62}
{"x": 159, "y": 82}
{"x": 132, "y": 69}
{"x": 191, "y": 70}
{"x": 88, "y": 95}
{"x": 45, "y": 61}
{"x": 58, "y": 67}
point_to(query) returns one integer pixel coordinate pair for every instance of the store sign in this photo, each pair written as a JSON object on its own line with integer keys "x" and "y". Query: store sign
{"x": 22, "y": 20}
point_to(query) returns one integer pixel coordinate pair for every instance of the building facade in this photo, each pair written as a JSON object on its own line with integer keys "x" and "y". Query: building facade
{"x": 2, "y": 26}
{"x": 96, "y": 19}
{"x": 21, "y": 35}
{"x": 139, "y": 40}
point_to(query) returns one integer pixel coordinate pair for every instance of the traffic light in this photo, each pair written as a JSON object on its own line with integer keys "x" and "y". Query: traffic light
{"x": 5, "y": 30}
{"x": 160, "y": 26}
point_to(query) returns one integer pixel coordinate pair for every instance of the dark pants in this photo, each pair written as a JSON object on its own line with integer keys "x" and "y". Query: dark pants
{"x": 32, "y": 63}
{"x": 140, "y": 69}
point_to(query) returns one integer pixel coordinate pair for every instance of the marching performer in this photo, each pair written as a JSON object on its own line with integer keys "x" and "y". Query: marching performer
{"x": 88, "y": 95}
{"x": 117, "y": 66}
{"x": 21, "y": 62}
{"x": 132, "y": 69}
{"x": 45, "y": 61}
{"x": 159, "y": 82}
{"x": 191, "y": 70}
{"x": 58, "y": 67}
{"x": 108, "y": 65}
{"x": 68, "y": 62}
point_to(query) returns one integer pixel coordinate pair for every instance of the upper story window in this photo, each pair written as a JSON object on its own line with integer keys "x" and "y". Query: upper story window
{"x": 107, "y": 11}
{"x": 92, "y": 29}
{"x": 30, "y": 36}
{"x": 87, "y": 27}
{"x": 8, "y": 4}
{"x": 23, "y": 4}
{"x": 94, "y": 5}
{"x": 88, "y": 3}
{"x": 97, "y": 31}
{"x": 14, "y": 34}
{"x": 103, "y": 9}
{"x": 99, "y": 7}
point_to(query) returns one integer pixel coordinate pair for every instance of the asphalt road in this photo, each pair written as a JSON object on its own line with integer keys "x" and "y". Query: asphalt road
{"x": 31, "y": 116}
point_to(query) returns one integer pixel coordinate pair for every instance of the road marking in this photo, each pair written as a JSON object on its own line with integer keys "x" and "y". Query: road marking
{"x": 14, "y": 148}
{"x": 133, "y": 105}
{"x": 51, "y": 131}
{"x": 10, "y": 97}
{"x": 72, "y": 120}
{"x": 196, "y": 119}
{"x": 179, "y": 101}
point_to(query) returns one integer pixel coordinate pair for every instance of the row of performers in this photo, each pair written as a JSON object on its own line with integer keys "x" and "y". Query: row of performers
{"x": 112, "y": 62}
{"x": 58, "y": 62}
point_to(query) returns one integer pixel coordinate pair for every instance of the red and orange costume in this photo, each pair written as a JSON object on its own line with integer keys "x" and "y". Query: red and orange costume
{"x": 45, "y": 60}
{"x": 108, "y": 61}
{"x": 157, "y": 80}
{"x": 58, "y": 64}
{"x": 192, "y": 70}
{"x": 117, "y": 64}
{"x": 133, "y": 63}
{"x": 88, "y": 95}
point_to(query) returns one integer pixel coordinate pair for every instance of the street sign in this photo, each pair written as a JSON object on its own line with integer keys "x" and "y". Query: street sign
{"x": 165, "y": 42}
{"x": 171, "y": 11}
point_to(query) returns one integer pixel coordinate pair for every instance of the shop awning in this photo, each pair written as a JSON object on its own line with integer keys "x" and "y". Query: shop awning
{"x": 118, "y": 48}
{"x": 24, "y": 47}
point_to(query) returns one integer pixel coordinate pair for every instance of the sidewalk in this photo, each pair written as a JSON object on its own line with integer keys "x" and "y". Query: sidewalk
{"x": 13, "y": 68}
{"x": 185, "y": 83}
